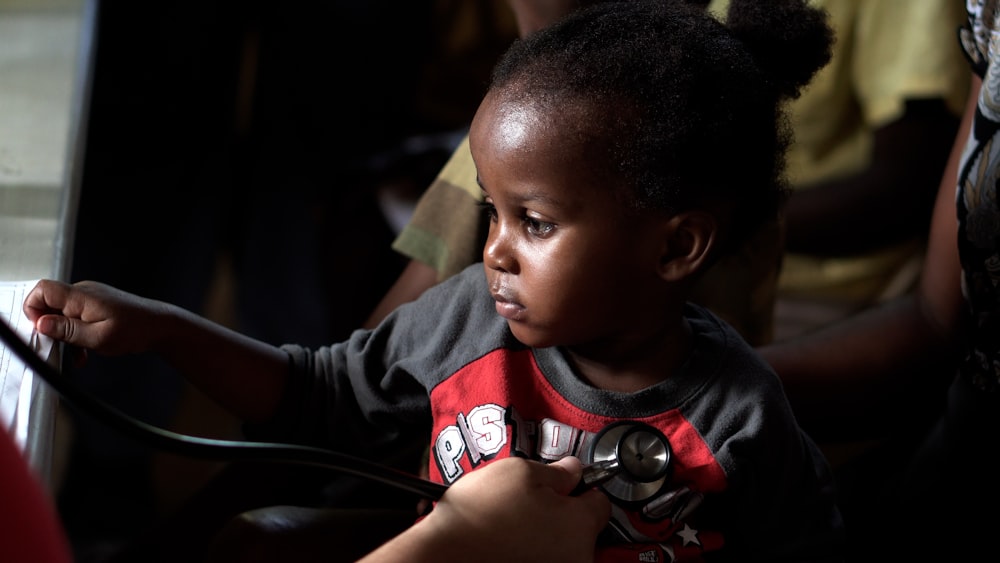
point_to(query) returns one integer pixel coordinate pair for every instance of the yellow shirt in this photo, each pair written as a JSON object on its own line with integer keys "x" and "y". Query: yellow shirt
{"x": 886, "y": 51}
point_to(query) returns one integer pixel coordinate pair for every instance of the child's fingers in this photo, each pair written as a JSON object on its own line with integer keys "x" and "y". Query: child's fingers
{"x": 48, "y": 296}
{"x": 57, "y": 327}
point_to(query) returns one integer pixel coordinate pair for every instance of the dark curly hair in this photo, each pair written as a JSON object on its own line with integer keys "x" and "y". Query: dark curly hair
{"x": 693, "y": 107}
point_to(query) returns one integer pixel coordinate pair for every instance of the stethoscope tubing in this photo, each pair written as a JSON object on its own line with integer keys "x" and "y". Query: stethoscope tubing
{"x": 210, "y": 448}
{"x": 594, "y": 474}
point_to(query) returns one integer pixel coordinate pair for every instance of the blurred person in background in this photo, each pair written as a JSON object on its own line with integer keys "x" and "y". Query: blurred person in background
{"x": 872, "y": 136}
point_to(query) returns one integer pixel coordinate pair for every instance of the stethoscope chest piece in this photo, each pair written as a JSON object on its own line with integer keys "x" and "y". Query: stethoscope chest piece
{"x": 642, "y": 455}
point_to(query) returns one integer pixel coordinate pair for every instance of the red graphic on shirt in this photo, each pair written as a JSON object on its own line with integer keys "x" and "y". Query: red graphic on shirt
{"x": 502, "y": 405}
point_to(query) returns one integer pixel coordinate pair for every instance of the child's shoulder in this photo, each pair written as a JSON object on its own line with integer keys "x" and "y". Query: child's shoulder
{"x": 706, "y": 322}
{"x": 719, "y": 348}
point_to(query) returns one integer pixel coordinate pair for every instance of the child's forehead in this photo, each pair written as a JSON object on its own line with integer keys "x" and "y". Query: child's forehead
{"x": 513, "y": 120}
{"x": 521, "y": 127}
{"x": 517, "y": 142}
{"x": 517, "y": 111}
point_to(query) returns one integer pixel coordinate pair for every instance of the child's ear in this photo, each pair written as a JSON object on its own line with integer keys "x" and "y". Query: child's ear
{"x": 688, "y": 241}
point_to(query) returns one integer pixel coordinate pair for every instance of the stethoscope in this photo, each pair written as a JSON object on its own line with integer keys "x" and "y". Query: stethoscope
{"x": 628, "y": 460}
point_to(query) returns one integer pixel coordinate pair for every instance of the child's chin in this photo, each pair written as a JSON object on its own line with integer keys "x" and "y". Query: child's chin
{"x": 531, "y": 337}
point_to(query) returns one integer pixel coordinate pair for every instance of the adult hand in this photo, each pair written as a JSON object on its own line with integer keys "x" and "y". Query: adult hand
{"x": 510, "y": 510}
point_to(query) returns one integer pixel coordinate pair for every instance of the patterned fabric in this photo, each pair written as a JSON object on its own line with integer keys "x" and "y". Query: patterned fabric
{"x": 976, "y": 200}
{"x": 448, "y": 228}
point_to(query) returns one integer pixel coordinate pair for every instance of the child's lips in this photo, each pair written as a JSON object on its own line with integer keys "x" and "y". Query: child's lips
{"x": 506, "y": 306}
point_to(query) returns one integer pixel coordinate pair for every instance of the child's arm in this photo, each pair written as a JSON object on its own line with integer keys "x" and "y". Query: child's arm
{"x": 243, "y": 375}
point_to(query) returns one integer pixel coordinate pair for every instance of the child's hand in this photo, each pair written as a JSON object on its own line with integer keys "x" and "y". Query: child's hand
{"x": 94, "y": 316}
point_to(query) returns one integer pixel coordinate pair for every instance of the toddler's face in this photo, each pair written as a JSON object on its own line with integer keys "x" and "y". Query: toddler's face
{"x": 564, "y": 265}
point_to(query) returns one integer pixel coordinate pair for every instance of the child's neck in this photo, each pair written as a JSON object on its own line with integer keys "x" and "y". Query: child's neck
{"x": 635, "y": 366}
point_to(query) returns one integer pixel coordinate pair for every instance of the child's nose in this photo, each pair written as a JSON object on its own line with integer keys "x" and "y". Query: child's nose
{"x": 498, "y": 252}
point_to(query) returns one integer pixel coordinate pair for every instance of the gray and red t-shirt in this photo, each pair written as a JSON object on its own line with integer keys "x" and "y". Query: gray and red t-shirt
{"x": 746, "y": 483}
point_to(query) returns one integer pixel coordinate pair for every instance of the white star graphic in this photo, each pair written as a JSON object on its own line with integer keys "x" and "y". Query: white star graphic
{"x": 689, "y": 535}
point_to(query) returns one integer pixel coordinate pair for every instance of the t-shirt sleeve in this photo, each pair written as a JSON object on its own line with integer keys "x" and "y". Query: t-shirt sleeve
{"x": 447, "y": 229}
{"x": 914, "y": 55}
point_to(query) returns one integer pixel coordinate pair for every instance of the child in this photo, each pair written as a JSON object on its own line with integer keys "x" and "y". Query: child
{"x": 618, "y": 151}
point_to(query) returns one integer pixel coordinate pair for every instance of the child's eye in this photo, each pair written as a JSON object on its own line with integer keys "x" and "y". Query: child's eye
{"x": 538, "y": 228}
{"x": 489, "y": 210}
{"x": 535, "y": 227}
